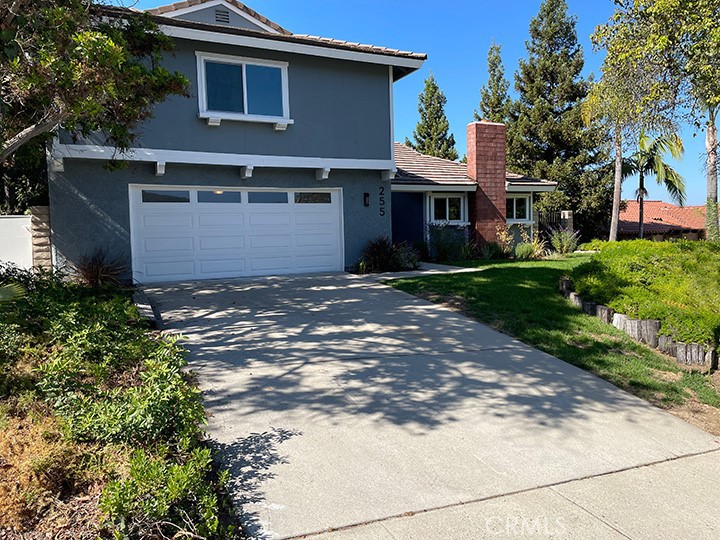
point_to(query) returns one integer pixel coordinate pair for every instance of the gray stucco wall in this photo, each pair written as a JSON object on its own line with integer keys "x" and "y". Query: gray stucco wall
{"x": 90, "y": 207}
{"x": 207, "y": 15}
{"x": 341, "y": 109}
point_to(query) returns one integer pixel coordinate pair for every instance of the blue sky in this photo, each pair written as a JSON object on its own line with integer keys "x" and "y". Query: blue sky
{"x": 456, "y": 36}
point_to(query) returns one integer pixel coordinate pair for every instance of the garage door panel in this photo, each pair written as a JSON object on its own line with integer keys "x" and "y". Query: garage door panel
{"x": 165, "y": 244}
{"x": 257, "y": 219}
{"x": 271, "y": 264}
{"x": 221, "y": 220}
{"x": 229, "y": 267}
{"x": 224, "y": 242}
{"x": 268, "y": 233}
{"x": 319, "y": 239}
{"x": 177, "y": 269}
{"x": 167, "y": 219}
{"x": 310, "y": 263}
{"x": 314, "y": 218}
{"x": 270, "y": 241}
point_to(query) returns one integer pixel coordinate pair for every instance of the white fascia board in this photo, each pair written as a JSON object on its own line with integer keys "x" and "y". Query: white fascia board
{"x": 80, "y": 151}
{"x": 240, "y": 12}
{"x": 287, "y": 46}
{"x": 529, "y": 189}
{"x": 425, "y": 188}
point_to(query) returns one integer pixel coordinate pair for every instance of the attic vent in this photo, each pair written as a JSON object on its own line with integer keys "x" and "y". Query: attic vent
{"x": 222, "y": 16}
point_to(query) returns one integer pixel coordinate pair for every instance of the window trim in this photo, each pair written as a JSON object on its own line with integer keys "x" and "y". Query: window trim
{"x": 528, "y": 210}
{"x": 215, "y": 117}
{"x": 463, "y": 221}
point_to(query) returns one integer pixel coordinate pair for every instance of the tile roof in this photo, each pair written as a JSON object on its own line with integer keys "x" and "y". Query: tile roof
{"x": 416, "y": 168}
{"x": 286, "y": 36}
{"x": 661, "y": 217}
{"x": 169, "y": 8}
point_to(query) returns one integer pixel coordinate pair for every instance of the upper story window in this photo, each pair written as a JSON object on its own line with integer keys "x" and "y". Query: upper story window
{"x": 518, "y": 208}
{"x": 244, "y": 89}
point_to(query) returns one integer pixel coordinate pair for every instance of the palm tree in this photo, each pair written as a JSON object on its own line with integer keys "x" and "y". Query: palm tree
{"x": 649, "y": 160}
{"x": 10, "y": 292}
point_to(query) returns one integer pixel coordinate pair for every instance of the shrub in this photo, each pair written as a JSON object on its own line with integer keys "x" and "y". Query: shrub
{"x": 161, "y": 498}
{"x": 88, "y": 363}
{"x": 406, "y": 257}
{"x": 537, "y": 248}
{"x": 524, "y": 250}
{"x": 677, "y": 283}
{"x": 446, "y": 242}
{"x": 381, "y": 255}
{"x": 100, "y": 269}
{"x": 505, "y": 239}
{"x": 491, "y": 250}
{"x": 593, "y": 245}
{"x": 564, "y": 240}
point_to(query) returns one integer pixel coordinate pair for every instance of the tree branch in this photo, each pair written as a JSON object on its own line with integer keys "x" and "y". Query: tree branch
{"x": 11, "y": 12}
{"x": 46, "y": 125}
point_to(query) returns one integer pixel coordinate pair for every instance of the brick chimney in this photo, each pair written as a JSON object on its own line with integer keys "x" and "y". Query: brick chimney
{"x": 486, "y": 165}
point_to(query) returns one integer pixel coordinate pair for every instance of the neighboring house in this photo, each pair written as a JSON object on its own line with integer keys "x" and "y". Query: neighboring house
{"x": 477, "y": 197}
{"x": 662, "y": 220}
{"x": 279, "y": 162}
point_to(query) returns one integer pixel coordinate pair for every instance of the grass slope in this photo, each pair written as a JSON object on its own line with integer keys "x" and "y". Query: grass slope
{"x": 521, "y": 299}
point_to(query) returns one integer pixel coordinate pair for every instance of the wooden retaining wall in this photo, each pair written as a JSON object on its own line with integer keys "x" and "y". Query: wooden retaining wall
{"x": 694, "y": 355}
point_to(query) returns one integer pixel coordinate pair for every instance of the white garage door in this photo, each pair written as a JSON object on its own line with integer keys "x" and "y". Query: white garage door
{"x": 207, "y": 233}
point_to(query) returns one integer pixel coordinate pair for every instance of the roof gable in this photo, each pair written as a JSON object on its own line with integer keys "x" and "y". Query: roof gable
{"x": 231, "y": 13}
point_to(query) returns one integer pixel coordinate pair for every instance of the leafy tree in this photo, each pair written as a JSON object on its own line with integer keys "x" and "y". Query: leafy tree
{"x": 494, "y": 100}
{"x": 431, "y": 135}
{"x": 84, "y": 67}
{"x": 649, "y": 160}
{"x": 683, "y": 38}
{"x": 625, "y": 102}
{"x": 546, "y": 135}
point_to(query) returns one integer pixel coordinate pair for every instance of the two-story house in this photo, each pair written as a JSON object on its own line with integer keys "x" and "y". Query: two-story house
{"x": 280, "y": 162}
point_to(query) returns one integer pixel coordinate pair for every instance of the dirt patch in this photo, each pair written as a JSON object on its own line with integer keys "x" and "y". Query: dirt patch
{"x": 668, "y": 376}
{"x": 706, "y": 417}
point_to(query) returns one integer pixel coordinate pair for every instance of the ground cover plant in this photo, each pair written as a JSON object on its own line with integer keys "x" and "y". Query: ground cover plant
{"x": 521, "y": 298}
{"x": 100, "y": 427}
{"x": 677, "y": 283}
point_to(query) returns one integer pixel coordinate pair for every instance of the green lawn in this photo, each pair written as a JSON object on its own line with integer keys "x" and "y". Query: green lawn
{"x": 521, "y": 299}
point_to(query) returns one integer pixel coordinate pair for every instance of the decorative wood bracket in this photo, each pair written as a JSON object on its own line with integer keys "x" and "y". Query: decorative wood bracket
{"x": 246, "y": 172}
{"x": 322, "y": 174}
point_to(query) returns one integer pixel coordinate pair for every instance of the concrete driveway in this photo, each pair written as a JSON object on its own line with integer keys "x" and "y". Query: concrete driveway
{"x": 347, "y": 409}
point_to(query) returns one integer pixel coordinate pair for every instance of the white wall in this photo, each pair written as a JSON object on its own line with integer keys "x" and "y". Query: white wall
{"x": 16, "y": 241}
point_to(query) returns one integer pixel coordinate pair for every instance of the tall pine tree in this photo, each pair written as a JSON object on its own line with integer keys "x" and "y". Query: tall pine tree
{"x": 431, "y": 135}
{"x": 494, "y": 100}
{"x": 546, "y": 134}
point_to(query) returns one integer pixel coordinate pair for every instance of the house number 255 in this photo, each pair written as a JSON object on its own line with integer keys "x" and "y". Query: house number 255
{"x": 381, "y": 200}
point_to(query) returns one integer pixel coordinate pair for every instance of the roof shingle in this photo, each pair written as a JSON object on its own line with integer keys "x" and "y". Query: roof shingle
{"x": 416, "y": 168}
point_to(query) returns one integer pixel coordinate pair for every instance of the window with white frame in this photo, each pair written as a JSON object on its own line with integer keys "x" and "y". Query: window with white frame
{"x": 235, "y": 88}
{"x": 518, "y": 208}
{"x": 447, "y": 208}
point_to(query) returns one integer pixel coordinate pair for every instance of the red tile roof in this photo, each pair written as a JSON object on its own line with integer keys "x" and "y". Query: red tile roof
{"x": 660, "y": 217}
